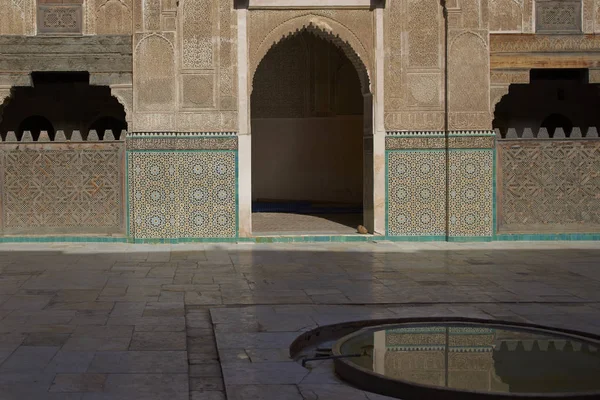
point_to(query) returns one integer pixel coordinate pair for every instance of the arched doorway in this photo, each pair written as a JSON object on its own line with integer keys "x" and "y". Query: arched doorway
{"x": 308, "y": 125}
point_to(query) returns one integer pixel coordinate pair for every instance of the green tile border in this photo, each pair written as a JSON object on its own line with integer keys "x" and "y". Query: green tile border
{"x": 237, "y": 194}
{"x": 183, "y": 136}
{"x": 307, "y": 239}
{"x": 507, "y": 237}
{"x": 433, "y": 238}
{"x": 126, "y": 195}
{"x": 494, "y": 198}
{"x": 420, "y": 150}
{"x": 63, "y": 239}
{"x": 184, "y": 240}
{"x": 456, "y": 239}
{"x": 181, "y": 150}
{"x": 387, "y": 192}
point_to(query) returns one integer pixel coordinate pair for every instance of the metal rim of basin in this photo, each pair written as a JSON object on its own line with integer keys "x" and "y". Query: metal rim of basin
{"x": 370, "y": 381}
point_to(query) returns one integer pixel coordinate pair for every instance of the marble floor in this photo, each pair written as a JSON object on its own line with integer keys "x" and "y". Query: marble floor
{"x": 265, "y": 223}
{"x": 214, "y": 322}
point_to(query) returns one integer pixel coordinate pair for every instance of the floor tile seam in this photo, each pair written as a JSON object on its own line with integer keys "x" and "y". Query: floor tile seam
{"x": 190, "y": 353}
{"x": 13, "y": 352}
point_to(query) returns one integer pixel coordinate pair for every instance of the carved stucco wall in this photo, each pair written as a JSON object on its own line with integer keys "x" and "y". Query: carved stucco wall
{"x": 468, "y": 66}
{"x": 17, "y": 17}
{"x": 353, "y": 30}
{"x": 108, "y": 17}
{"x": 414, "y": 98}
{"x": 512, "y": 16}
{"x": 100, "y": 17}
{"x": 185, "y": 66}
{"x": 468, "y": 80}
{"x": 414, "y": 40}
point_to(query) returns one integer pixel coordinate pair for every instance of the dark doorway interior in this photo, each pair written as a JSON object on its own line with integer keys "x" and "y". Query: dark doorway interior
{"x": 307, "y": 139}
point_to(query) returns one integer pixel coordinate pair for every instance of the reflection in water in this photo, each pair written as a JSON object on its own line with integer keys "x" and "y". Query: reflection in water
{"x": 478, "y": 358}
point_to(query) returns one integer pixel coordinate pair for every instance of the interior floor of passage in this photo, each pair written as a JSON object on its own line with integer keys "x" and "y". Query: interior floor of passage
{"x": 289, "y": 223}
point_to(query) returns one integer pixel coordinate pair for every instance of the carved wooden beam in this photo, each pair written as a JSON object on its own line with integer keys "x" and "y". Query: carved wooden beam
{"x": 523, "y": 52}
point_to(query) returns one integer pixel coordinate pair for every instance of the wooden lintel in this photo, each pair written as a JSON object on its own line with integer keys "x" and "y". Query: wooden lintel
{"x": 547, "y": 60}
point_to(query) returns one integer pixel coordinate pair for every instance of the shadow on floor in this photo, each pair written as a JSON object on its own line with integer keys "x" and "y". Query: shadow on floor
{"x": 285, "y": 223}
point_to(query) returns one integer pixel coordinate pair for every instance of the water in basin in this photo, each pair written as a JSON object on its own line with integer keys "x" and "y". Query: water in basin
{"x": 478, "y": 358}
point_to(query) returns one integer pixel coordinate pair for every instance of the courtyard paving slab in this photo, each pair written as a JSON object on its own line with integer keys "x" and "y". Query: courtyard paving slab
{"x": 214, "y": 322}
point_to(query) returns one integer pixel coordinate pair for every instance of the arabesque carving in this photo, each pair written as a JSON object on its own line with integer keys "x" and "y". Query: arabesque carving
{"x": 414, "y": 55}
{"x": 154, "y": 81}
{"x": 348, "y": 29}
{"x": 543, "y": 43}
{"x": 110, "y": 17}
{"x": 468, "y": 82}
{"x": 197, "y": 33}
{"x": 506, "y": 15}
{"x": 227, "y": 56}
{"x": 17, "y": 17}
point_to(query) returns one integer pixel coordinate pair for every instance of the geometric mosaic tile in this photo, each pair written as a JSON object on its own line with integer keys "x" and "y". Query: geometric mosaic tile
{"x": 470, "y": 211}
{"x": 183, "y": 194}
{"x": 416, "y": 193}
{"x": 208, "y": 194}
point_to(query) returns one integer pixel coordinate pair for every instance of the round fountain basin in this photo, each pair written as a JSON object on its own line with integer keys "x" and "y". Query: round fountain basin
{"x": 469, "y": 360}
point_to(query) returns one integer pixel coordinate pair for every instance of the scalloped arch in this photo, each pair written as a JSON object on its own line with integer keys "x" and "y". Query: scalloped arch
{"x": 126, "y": 107}
{"x": 326, "y": 28}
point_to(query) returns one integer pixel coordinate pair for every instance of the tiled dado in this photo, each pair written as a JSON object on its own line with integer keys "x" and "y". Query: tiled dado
{"x": 416, "y": 193}
{"x": 182, "y": 187}
{"x": 470, "y": 193}
{"x": 426, "y": 203}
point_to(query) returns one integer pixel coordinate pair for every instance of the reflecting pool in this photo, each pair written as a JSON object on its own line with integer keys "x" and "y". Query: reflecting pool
{"x": 480, "y": 358}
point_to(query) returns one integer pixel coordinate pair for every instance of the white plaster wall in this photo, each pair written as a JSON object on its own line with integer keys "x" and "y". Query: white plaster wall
{"x": 318, "y": 159}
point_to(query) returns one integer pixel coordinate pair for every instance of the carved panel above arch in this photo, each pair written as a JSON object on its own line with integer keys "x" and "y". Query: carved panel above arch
{"x": 353, "y": 29}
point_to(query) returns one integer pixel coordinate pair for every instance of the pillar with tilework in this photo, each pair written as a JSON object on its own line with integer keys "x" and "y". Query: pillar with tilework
{"x": 470, "y": 140}
{"x": 182, "y": 149}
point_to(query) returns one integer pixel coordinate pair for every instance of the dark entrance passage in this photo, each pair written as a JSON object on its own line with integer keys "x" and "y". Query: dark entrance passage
{"x": 307, "y": 139}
